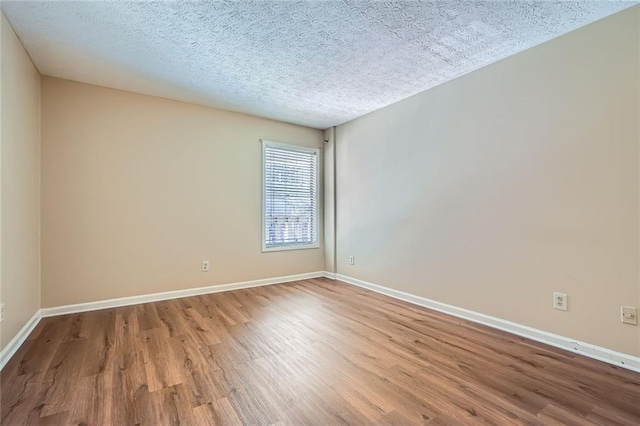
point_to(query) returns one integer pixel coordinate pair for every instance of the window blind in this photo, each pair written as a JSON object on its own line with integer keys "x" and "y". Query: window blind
{"x": 290, "y": 185}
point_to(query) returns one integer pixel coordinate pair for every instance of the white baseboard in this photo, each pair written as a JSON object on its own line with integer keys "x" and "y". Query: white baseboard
{"x": 176, "y": 294}
{"x": 17, "y": 341}
{"x": 619, "y": 359}
{"x": 330, "y": 275}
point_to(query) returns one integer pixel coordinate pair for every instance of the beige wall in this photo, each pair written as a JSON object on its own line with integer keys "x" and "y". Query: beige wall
{"x": 494, "y": 190}
{"x": 20, "y": 185}
{"x": 637, "y": 9}
{"x": 2, "y": 20}
{"x": 137, "y": 191}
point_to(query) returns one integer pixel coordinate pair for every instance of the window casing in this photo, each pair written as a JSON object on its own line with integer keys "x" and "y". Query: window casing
{"x": 289, "y": 197}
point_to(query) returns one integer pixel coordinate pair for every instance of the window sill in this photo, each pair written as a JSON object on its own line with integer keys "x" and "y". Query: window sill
{"x": 285, "y": 248}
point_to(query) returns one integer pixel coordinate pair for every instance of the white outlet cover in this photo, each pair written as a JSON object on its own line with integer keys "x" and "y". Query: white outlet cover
{"x": 629, "y": 315}
{"x": 560, "y": 301}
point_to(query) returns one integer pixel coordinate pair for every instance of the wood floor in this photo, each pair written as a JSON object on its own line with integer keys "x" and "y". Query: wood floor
{"x": 313, "y": 352}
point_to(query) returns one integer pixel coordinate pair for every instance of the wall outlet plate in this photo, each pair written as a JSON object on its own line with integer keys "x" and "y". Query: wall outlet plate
{"x": 560, "y": 301}
{"x": 205, "y": 266}
{"x": 352, "y": 260}
{"x": 1, "y": 312}
{"x": 629, "y": 315}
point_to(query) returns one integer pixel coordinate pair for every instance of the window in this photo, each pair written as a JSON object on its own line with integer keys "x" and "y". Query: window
{"x": 290, "y": 197}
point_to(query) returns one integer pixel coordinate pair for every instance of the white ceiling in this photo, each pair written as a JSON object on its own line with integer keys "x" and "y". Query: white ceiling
{"x": 315, "y": 63}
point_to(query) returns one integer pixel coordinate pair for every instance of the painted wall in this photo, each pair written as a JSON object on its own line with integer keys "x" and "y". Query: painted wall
{"x": 2, "y": 21}
{"x": 20, "y": 185}
{"x": 637, "y": 8}
{"x": 494, "y": 190}
{"x": 138, "y": 190}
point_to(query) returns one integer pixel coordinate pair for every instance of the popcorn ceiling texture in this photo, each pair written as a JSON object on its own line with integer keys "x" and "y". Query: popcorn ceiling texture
{"x": 315, "y": 63}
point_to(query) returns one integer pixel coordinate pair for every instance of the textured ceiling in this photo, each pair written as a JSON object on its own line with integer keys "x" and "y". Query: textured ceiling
{"x": 316, "y": 63}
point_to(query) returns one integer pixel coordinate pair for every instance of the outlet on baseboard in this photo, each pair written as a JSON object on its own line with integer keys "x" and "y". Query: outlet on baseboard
{"x": 560, "y": 301}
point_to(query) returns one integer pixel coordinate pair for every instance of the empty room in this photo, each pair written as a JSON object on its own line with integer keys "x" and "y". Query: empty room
{"x": 316, "y": 212}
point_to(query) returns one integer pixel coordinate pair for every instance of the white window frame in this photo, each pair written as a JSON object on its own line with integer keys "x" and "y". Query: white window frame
{"x": 316, "y": 151}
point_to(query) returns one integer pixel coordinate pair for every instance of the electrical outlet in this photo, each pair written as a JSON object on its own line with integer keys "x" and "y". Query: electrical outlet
{"x": 560, "y": 301}
{"x": 205, "y": 266}
{"x": 629, "y": 315}
{"x": 352, "y": 260}
{"x": 1, "y": 312}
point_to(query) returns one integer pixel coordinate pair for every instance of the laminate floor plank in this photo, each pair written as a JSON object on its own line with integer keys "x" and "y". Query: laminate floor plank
{"x": 312, "y": 352}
